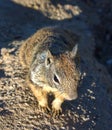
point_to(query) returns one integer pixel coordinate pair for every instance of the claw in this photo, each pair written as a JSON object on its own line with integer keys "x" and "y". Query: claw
{"x": 44, "y": 108}
{"x": 56, "y": 112}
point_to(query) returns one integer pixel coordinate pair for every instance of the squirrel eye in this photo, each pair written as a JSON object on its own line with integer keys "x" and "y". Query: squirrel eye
{"x": 56, "y": 79}
{"x": 48, "y": 61}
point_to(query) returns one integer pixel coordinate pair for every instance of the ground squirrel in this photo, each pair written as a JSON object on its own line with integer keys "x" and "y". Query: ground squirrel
{"x": 50, "y": 56}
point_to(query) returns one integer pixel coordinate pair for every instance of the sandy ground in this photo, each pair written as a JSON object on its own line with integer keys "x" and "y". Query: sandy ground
{"x": 19, "y": 19}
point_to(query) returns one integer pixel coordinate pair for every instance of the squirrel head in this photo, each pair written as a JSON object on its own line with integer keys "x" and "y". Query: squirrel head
{"x": 58, "y": 72}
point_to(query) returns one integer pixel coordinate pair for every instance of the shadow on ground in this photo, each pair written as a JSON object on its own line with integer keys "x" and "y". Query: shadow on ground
{"x": 18, "y": 22}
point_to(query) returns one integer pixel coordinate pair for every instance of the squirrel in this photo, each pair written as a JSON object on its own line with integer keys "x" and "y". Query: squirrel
{"x": 51, "y": 56}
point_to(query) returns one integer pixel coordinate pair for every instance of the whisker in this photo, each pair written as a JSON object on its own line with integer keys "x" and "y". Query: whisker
{"x": 72, "y": 105}
{"x": 59, "y": 94}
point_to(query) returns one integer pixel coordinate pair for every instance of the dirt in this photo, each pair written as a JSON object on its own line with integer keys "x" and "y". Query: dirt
{"x": 92, "y": 110}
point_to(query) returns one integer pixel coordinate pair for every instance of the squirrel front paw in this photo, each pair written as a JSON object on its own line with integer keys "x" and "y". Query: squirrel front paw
{"x": 56, "y": 111}
{"x": 56, "y": 107}
{"x": 43, "y": 106}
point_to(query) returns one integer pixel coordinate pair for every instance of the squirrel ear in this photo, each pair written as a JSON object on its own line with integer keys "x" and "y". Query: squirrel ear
{"x": 74, "y": 51}
{"x": 49, "y": 58}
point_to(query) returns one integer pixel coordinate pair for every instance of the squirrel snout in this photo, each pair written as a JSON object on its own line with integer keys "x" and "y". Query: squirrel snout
{"x": 73, "y": 96}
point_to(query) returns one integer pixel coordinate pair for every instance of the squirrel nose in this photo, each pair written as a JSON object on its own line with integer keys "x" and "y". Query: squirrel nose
{"x": 73, "y": 95}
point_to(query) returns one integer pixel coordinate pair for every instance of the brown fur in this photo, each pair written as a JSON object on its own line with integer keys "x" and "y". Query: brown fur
{"x": 50, "y": 73}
